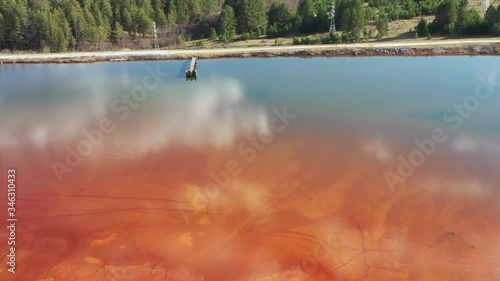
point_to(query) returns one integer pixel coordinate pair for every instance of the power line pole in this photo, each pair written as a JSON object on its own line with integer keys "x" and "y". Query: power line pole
{"x": 332, "y": 15}
{"x": 157, "y": 45}
{"x": 485, "y": 4}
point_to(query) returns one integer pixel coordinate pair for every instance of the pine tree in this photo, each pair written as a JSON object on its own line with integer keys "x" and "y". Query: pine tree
{"x": 226, "y": 23}
{"x": 353, "y": 17}
{"x": 252, "y": 14}
{"x": 423, "y": 28}
{"x": 143, "y": 22}
{"x": 183, "y": 12}
{"x": 446, "y": 17}
{"x": 118, "y": 32}
{"x": 382, "y": 24}
{"x": 158, "y": 13}
{"x": 213, "y": 33}
{"x": 15, "y": 20}
{"x": 171, "y": 12}
{"x": 60, "y": 37}
{"x": 306, "y": 11}
{"x": 2, "y": 24}
{"x": 209, "y": 6}
{"x": 37, "y": 29}
{"x": 279, "y": 14}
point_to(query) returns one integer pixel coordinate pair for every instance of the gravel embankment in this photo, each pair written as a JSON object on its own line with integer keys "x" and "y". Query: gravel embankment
{"x": 408, "y": 48}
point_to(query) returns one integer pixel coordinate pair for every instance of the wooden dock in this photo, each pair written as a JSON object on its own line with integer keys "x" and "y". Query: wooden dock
{"x": 191, "y": 72}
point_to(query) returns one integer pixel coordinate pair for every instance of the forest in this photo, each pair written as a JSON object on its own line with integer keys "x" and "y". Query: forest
{"x": 77, "y": 25}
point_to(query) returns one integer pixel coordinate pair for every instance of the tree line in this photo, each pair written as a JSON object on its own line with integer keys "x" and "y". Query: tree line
{"x": 63, "y": 25}
{"x": 252, "y": 18}
{"x": 66, "y": 25}
{"x": 456, "y": 17}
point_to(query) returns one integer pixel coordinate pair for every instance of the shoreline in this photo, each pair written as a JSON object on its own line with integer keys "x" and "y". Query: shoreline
{"x": 449, "y": 47}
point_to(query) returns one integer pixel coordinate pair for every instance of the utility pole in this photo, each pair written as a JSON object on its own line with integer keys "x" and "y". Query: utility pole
{"x": 157, "y": 45}
{"x": 332, "y": 15}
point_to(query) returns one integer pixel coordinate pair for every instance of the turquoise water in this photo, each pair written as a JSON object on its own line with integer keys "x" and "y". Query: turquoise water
{"x": 354, "y": 88}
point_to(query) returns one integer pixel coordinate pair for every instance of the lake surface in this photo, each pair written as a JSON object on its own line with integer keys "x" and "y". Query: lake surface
{"x": 262, "y": 169}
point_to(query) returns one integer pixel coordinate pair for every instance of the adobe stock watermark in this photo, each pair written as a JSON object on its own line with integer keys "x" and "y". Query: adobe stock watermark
{"x": 122, "y": 107}
{"x": 455, "y": 117}
{"x": 247, "y": 150}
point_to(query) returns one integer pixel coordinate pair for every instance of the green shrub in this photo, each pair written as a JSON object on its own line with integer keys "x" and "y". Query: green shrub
{"x": 346, "y": 38}
{"x": 496, "y": 29}
{"x": 199, "y": 43}
{"x": 213, "y": 33}
{"x": 224, "y": 38}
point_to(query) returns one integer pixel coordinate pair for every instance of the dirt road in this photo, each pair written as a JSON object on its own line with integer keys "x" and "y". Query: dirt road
{"x": 452, "y": 46}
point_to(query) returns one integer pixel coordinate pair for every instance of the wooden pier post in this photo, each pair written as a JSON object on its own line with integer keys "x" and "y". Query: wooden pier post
{"x": 191, "y": 72}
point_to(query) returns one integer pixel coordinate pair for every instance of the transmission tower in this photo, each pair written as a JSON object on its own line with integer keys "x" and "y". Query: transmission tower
{"x": 485, "y": 4}
{"x": 157, "y": 45}
{"x": 332, "y": 15}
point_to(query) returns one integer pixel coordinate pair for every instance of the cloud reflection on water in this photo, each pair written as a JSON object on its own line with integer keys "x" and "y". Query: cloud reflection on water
{"x": 214, "y": 114}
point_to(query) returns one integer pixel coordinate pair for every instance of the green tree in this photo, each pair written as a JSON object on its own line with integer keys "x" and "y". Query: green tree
{"x": 118, "y": 32}
{"x": 252, "y": 14}
{"x": 213, "y": 33}
{"x": 353, "y": 16}
{"x": 78, "y": 20}
{"x": 472, "y": 23}
{"x": 322, "y": 18}
{"x": 236, "y": 5}
{"x": 423, "y": 28}
{"x": 183, "y": 12}
{"x": 128, "y": 20}
{"x": 226, "y": 24}
{"x": 370, "y": 14}
{"x": 382, "y": 25}
{"x": 492, "y": 20}
{"x": 495, "y": 30}
{"x": 279, "y": 14}
{"x": 171, "y": 11}
{"x": 194, "y": 10}
{"x": 37, "y": 29}
{"x": 59, "y": 34}
{"x": 158, "y": 13}
{"x": 491, "y": 15}
{"x": 15, "y": 22}
{"x": 446, "y": 17}
{"x": 2, "y": 24}
{"x": 306, "y": 12}
{"x": 209, "y": 6}
{"x": 142, "y": 22}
